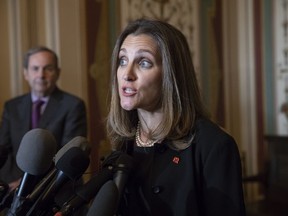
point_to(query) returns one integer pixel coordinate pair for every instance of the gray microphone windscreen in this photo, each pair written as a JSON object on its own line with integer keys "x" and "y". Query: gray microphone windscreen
{"x": 105, "y": 202}
{"x": 36, "y": 151}
{"x": 79, "y": 141}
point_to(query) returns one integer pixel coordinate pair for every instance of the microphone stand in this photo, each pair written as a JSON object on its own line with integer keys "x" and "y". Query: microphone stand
{"x": 20, "y": 195}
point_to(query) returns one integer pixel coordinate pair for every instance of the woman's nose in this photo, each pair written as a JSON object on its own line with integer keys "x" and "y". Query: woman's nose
{"x": 126, "y": 77}
{"x": 129, "y": 74}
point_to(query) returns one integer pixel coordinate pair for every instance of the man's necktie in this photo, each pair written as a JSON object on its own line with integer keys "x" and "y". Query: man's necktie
{"x": 36, "y": 112}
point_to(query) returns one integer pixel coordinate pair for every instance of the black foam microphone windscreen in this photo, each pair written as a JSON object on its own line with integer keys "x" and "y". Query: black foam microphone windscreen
{"x": 105, "y": 202}
{"x": 124, "y": 166}
{"x": 79, "y": 141}
{"x": 89, "y": 190}
{"x": 73, "y": 163}
{"x": 36, "y": 151}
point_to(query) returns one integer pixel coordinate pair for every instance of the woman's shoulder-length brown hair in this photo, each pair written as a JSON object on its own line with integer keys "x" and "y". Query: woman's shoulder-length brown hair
{"x": 181, "y": 100}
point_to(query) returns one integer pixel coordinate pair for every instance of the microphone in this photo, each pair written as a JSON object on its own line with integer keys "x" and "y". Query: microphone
{"x": 80, "y": 142}
{"x": 87, "y": 192}
{"x": 34, "y": 158}
{"x": 125, "y": 165}
{"x": 106, "y": 201}
{"x": 34, "y": 198}
{"x": 36, "y": 152}
{"x": 70, "y": 166}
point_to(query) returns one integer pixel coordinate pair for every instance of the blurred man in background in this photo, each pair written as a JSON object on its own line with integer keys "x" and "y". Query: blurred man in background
{"x": 63, "y": 114}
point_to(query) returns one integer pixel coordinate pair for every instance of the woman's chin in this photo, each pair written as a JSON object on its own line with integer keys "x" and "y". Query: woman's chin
{"x": 127, "y": 107}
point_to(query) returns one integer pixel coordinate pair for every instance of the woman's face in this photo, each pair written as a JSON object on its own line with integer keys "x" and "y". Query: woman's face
{"x": 139, "y": 73}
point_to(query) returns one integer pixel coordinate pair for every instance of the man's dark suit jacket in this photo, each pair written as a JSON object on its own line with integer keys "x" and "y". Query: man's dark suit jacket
{"x": 64, "y": 116}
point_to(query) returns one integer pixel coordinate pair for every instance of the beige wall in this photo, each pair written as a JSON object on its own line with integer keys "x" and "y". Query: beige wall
{"x": 5, "y": 91}
{"x": 72, "y": 47}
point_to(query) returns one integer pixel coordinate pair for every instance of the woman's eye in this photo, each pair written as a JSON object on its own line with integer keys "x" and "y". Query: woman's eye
{"x": 122, "y": 62}
{"x": 145, "y": 64}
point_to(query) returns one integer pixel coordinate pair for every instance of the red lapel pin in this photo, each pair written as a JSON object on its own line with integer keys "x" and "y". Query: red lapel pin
{"x": 176, "y": 160}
